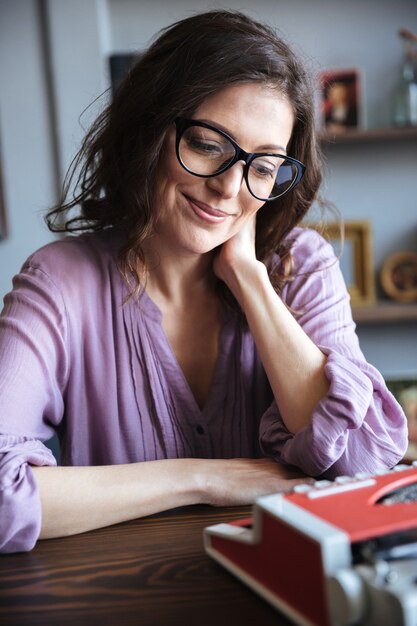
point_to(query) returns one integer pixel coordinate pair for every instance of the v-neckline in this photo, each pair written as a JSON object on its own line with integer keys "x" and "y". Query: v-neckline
{"x": 151, "y": 309}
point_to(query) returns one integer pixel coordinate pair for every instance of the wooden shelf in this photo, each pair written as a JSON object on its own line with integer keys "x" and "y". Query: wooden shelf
{"x": 385, "y": 313}
{"x": 372, "y": 135}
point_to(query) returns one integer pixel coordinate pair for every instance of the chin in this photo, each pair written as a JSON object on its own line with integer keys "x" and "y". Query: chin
{"x": 202, "y": 245}
{"x": 200, "y": 248}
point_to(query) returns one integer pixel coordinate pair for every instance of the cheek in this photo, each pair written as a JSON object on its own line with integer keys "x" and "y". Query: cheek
{"x": 170, "y": 170}
{"x": 255, "y": 206}
{"x": 248, "y": 214}
{"x": 174, "y": 174}
{"x": 170, "y": 175}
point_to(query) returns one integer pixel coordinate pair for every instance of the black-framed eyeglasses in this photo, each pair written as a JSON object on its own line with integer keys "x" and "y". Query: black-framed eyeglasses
{"x": 206, "y": 151}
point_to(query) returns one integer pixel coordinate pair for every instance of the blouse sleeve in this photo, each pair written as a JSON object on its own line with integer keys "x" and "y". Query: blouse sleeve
{"x": 32, "y": 376}
{"x": 358, "y": 426}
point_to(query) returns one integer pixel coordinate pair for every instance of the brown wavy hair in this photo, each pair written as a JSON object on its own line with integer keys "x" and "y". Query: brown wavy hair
{"x": 113, "y": 175}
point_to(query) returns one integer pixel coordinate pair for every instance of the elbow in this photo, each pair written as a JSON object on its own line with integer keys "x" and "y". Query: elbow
{"x": 16, "y": 542}
{"x": 19, "y": 526}
{"x": 367, "y": 457}
{"x": 20, "y": 520}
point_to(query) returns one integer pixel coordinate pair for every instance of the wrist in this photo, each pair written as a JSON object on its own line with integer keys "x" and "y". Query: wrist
{"x": 245, "y": 280}
{"x": 201, "y": 480}
{"x": 192, "y": 481}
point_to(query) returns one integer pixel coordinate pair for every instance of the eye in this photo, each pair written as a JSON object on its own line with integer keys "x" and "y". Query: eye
{"x": 264, "y": 168}
{"x": 203, "y": 146}
{"x": 207, "y": 143}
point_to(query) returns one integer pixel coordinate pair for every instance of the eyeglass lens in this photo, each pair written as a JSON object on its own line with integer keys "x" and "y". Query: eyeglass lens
{"x": 206, "y": 152}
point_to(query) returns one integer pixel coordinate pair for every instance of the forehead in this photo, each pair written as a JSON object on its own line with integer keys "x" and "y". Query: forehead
{"x": 252, "y": 113}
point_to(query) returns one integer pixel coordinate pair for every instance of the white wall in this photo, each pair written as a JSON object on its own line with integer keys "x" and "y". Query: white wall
{"x": 25, "y": 133}
{"x": 78, "y": 39}
{"x": 366, "y": 181}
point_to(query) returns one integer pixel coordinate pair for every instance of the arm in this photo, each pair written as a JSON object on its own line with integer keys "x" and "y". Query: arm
{"x": 78, "y": 499}
{"x": 293, "y": 363}
{"x": 40, "y": 500}
{"x": 31, "y": 372}
{"x": 357, "y": 425}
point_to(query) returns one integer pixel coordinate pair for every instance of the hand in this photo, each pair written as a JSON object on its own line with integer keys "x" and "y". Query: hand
{"x": 237, "y": 252}
{"x": 235, "y": 482}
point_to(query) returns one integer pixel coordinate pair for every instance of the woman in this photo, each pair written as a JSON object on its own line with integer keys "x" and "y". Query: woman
{"x": 194, "y": 344}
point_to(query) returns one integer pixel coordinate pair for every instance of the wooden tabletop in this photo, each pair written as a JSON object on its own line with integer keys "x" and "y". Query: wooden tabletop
{"x": 151, "y": 571}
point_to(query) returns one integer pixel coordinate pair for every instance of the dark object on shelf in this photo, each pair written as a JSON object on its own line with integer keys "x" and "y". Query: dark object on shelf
{"x": 120, "y": 64}
{"x": 340, "y": 99}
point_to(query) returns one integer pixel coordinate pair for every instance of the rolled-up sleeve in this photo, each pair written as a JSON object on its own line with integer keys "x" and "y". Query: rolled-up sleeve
{"x": 358, "y": 426}
{"x": 33, "y": 370}
{"x": 20, "y": 507}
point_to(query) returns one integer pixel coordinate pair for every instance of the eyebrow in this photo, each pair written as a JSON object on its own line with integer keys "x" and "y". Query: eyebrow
{"x": 272, "y": 148}
{"x": 265, "y": 148}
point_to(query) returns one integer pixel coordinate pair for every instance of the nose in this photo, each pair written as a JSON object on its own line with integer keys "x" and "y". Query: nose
{"x": 229, "y": 183}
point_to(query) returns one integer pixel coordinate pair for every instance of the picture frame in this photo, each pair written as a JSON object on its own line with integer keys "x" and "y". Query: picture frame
{"x": 341, "y": 104}
{"x": 405, "y": 392}
{"x": 119, "y": 65}
{"x": 399, "y": 277}
{"x": 354, "y": 248}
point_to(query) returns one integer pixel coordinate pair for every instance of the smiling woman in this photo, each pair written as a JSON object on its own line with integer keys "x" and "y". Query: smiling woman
{"x": 192, "y": 343}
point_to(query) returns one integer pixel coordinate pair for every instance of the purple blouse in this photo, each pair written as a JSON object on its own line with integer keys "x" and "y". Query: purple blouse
{"x": 77, "y": 361}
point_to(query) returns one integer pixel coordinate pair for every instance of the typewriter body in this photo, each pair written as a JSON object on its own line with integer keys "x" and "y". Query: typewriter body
{"x": 332, "y": 553}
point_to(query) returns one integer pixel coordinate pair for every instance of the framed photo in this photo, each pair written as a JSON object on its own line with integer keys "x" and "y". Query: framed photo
{"x": 399, "y": 276}
{"x": 120, "y": 64}
{"x": 341, "y": 100}
{"x": 355, "y": 256}
{"x": 405, "y": 391}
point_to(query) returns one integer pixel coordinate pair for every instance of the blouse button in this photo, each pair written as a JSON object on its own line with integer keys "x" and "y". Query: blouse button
{"x": 200, "y": 430}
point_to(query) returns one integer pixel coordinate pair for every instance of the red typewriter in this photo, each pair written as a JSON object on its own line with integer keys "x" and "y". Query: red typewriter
{"x": 334, "y": 553}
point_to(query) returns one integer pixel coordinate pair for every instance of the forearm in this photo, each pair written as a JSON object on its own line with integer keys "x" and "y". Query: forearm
{"x": 293, "y": 363}
{"x": 363, "y": 425}
{"x": 78, "y": 499}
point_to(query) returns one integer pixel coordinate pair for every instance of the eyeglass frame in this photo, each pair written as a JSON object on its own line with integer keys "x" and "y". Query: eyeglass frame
{"x": 181, "y": 125}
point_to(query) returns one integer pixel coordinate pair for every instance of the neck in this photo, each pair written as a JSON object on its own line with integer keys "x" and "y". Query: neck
{"x": 177, "y": 278}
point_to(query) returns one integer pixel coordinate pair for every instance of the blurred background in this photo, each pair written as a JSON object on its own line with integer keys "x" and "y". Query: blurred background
{"x": 55, "y": 58}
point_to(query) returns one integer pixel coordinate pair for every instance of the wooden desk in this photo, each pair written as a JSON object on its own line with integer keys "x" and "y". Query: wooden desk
{"x": 152, "y": 571}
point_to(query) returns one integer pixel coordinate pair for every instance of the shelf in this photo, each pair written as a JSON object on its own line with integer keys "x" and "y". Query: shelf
{"x": 385, "y": 313}
{"x": 363, "y": 135}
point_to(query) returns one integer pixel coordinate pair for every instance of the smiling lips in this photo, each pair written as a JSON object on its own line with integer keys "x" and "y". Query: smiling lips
{"x": 207, "y": 213}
